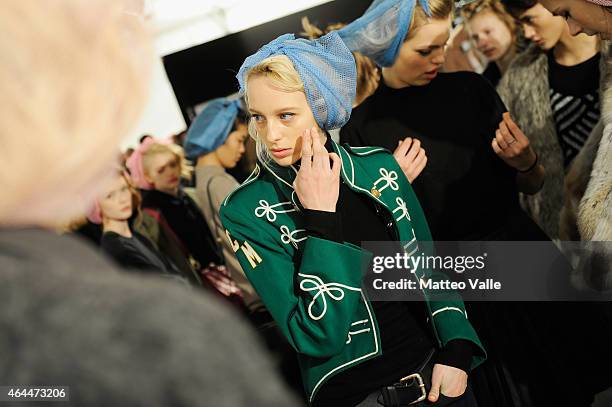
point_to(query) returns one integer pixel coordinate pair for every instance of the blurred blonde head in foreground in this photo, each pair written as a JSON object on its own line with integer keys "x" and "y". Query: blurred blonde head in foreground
{"x": 73, "y": 79}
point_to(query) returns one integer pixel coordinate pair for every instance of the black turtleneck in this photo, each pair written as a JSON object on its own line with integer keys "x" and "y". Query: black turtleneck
{"x": 187, "y": 222}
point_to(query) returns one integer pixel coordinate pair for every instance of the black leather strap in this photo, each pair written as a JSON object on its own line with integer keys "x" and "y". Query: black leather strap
{"x": 394, "y": 396}
{"x": 404, "y": 394}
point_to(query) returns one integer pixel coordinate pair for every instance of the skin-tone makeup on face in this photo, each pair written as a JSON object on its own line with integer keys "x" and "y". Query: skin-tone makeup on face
{"x": 420, "y": 57}
{"x": 418, "y": 61}
{"x": 551, "y": 32}
{"x": 541, "y": 27}
{"x": 582, "y": 17}
{"x": 116, "y": 207}
{"x": 164, "y": 172}
{"x": 281, "y": 118}
{"x": 230, "y": 152}
{"x": 492, "y": 37}
{"x": 286, "y": 125}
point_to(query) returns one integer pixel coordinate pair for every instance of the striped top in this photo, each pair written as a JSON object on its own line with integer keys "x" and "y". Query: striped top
{"x": 574, "y": 99}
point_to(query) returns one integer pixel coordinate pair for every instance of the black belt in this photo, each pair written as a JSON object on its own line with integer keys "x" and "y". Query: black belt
{"x": 410, "y": 389}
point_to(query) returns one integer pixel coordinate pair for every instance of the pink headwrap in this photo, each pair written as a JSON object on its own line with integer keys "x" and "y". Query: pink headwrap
{"x": 134, "y": 163}
{"x": 606, "y": 3}
{"x": 95, "y": 212}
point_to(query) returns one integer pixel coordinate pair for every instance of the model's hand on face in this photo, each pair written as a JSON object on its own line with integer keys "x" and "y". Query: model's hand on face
{"x": 511, "y": 145}
{"x": 318, "y": 181}
{"x": 411, "y": 157}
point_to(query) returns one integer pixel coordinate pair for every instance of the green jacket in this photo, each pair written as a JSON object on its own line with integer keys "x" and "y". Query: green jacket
{"x": 312, "y": 286}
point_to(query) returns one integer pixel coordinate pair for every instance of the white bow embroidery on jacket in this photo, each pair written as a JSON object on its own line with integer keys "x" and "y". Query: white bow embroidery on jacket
{"x": 270, "y": 211}
{"x": 335, "y": 291}
{"x": 289, "y": 237}
{"x": 402, "y": 208}
{"x": 389, "y": 177}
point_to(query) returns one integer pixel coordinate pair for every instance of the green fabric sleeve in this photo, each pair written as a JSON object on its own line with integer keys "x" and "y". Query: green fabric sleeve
{"x": 312, "y": 295}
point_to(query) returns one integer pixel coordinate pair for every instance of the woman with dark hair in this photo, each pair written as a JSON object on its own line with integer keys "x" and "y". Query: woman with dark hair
{"x": 592, "y": 17}
{"x": 216, "y": 142}
{"x": 592, "y": 173}
{"x": 553, "y": 91}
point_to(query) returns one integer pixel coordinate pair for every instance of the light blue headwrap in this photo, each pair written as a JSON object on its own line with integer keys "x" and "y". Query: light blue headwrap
{"x": 211, "y": 127}
{"x": 327, "y": 69}
{"x": 381, "y": 30}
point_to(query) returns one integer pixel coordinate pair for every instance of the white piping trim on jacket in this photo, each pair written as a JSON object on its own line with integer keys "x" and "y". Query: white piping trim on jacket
{"x": 360, "y": 331}
{"x": 247, "y": 181}
{"x": 293, "y": 199}
{"x": 362, "y": 147}
{"x": 355, "y": 186}
{"x": 321, "y": 380}
{"x": 433, "y": 314}
{"x": 351, "y": 333}
{"x": 277, "y": 177}
{"x": 372, "y": 151}
{"x": 352, "y": 179}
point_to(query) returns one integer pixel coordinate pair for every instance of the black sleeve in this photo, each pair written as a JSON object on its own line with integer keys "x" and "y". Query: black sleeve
{"x": 489, "y": 115}
{"x": 125, "y": 256}
{"x": 209, "y": 251}
{"x": 324, "y": 225}
{"x": 491, "y": 108}
{"x": 492, "y": 74}
{"x": 167, "y": 262}
{"x": 457, "y": 353}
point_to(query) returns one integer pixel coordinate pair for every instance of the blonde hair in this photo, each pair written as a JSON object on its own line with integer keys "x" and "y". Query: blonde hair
{"x": 174, "y": 149}
{"x": 73, "y": 81}
{"x": 496, "y": 7}
{"x": 285, "y": 77}
{"x": 368, "y": 74}
{"x": 440, "y": 9}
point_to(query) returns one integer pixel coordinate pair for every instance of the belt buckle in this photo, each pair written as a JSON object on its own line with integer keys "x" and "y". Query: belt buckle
{"x": 420, "y": 382}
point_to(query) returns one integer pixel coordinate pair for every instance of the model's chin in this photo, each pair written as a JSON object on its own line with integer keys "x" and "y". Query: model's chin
{"x": 229, "y": 166}
{"x": 124, "y": 217}
{"x": 285, "y": 161}
{"x": 544, "y": 45}
{"x": 423, "y": 81}
{"x": 496, "y": 56}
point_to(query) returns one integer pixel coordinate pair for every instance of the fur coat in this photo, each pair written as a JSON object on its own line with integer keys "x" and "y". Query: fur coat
{"x": 593, "y": 168}
{"x": 526, "y": 92}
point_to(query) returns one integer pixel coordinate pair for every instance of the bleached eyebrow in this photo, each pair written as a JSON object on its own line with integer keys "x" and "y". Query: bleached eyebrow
{"x": 284, "y": 109}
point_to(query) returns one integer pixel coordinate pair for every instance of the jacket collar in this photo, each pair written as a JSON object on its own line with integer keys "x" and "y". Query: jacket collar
{"x": 379, "y": 179}
{"x": 358, "y": 181}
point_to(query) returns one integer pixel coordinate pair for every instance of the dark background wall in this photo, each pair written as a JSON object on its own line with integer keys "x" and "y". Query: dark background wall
{"x": 209, "y": 70}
